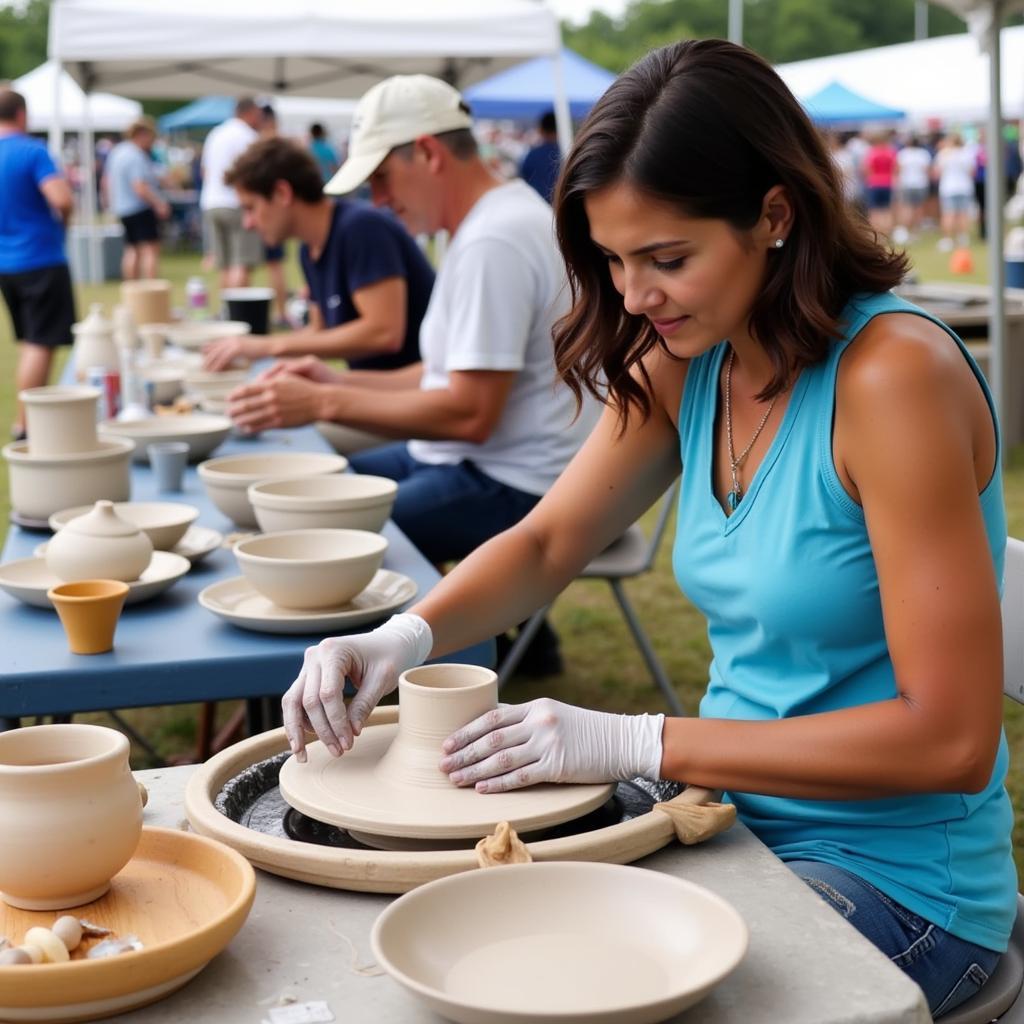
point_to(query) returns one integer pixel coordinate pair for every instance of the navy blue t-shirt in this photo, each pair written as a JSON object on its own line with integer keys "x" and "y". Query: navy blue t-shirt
{"x": 31, "y": 236}
{"x": 540, "y": 168}
{"x": 366, "y": 245}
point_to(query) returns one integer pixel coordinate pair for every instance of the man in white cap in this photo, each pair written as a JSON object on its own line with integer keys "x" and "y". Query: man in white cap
{"x": 492, "y": 423}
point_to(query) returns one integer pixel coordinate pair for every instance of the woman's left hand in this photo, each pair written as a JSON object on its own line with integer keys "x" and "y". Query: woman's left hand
{"x": 547, "y": 741}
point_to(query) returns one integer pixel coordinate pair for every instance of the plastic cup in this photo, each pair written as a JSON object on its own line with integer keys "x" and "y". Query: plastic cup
{"x": 88, "y": 611}
{"x": 168, "y": 459}
{"x": 250, "y": 305}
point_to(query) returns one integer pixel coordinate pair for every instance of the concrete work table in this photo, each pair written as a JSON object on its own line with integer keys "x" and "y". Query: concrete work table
{"x": 805, "y": 964}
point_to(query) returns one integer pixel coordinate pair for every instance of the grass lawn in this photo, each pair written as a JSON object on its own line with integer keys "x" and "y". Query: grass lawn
{"x": 603, "y": 667}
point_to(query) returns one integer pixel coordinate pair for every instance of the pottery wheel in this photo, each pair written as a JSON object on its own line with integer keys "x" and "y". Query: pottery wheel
{"x": 351, "y": 792}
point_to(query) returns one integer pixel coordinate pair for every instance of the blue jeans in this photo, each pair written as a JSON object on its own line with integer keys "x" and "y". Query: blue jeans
{"x": 447, "y": 511}
{"x": 948, "y": 970}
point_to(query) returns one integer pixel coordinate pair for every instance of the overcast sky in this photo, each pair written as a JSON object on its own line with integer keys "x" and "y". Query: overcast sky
{"x": 578, "y": 11}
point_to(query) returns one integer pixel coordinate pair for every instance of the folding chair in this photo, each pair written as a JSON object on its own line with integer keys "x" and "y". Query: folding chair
{"x": 631, "y": 555}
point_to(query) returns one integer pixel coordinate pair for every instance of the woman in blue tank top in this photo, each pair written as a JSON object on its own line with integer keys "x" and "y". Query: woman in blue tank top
{"x": 840, "y": 520}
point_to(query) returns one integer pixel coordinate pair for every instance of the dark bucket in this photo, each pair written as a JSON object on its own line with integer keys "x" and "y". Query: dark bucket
{"x": 252, "y": 305}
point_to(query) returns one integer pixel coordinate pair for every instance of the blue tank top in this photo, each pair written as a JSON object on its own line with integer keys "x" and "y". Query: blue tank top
{"x": 790, "y": 591}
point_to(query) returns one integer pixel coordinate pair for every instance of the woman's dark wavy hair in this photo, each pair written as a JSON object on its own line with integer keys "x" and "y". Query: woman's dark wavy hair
{"x": 709, "y": 127}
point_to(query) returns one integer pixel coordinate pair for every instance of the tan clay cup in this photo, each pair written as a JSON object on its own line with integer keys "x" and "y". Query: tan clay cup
{"x": 88, "y": 611}
{"x": 435, "y": 700}
{"x": 148, "y": 301}
{"x": 71, "y": 814}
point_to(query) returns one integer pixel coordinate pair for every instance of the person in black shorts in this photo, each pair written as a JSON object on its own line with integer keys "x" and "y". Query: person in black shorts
{"x": 35, "y": 204}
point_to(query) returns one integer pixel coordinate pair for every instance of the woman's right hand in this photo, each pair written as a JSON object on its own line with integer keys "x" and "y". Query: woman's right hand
{"x": 310, "y": 367}
{"x": 373, "y": 661}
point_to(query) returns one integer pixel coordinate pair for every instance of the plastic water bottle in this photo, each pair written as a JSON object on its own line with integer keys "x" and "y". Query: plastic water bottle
{"x": 197, "y": 299}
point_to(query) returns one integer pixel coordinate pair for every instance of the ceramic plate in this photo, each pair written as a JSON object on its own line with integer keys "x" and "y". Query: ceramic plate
{"x": 28, "y": 579}
{"x": 183, "y": 895}
{"x": 622, "y": 945}
{"x": 238, "y": 601}
{"x": 198, "y": 542}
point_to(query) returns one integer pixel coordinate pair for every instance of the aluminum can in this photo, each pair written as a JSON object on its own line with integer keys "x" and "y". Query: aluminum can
{"x": 109, "y": 384}
{"x": 197, "y": 299}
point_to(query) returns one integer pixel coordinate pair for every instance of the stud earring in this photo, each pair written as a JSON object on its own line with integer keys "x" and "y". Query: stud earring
{"x": 779, "y": 243}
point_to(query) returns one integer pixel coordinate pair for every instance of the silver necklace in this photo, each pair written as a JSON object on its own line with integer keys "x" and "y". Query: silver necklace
{"x": 736, "y": 461}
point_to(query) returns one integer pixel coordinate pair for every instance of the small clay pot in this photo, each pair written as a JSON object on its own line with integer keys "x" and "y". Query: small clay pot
{"x": 89, "y": 610}
{"x": 71, "y": 814}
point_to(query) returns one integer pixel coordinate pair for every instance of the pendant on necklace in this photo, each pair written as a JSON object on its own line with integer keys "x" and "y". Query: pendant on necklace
{"x": 733, "y": 500}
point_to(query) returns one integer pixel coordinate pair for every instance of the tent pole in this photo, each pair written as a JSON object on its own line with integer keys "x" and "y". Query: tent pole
{"x": 736, "y": 21}
{"x": 56, "y": 133}
{"x": 563, "y": 117}
{"x": 994, "y": 188}
{"x": 87, "y": 155}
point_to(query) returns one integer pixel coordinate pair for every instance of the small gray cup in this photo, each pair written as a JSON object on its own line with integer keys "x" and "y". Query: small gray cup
{"x": 168, "y": 459}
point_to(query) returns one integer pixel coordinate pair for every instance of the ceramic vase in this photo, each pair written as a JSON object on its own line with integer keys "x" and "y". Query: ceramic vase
{"x": 434, "y": 701}
{"x": 99, "y": 545}
{"x": 60, "y": 420}
{"x": 94, "y": 343}
{"x": 70, "y": 814}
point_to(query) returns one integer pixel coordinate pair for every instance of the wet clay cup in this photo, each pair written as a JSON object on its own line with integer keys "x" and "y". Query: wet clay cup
{"x": 71, "y": 814}
{"x": 88, "y": 611}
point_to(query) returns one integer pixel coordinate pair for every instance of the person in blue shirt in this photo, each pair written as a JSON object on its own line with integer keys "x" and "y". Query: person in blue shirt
{"x": 542, "y": 163}
{"x": 369, "y": 282}
{"x": 325, "y": 155}
{"x": 132, "y": 184}
{"x": 35, "y": 205}
{"x": 840, "y": 521}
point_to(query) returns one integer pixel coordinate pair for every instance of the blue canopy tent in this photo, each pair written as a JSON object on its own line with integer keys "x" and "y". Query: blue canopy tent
{"x": 202, "y": 113}
{"x": 835, "y": 104}
{"x": 526, "y": 91}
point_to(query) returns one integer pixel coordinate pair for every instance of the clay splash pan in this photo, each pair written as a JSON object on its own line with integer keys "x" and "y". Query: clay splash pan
{"x": 185, "y": 897}
{"x": 559, "y": 942}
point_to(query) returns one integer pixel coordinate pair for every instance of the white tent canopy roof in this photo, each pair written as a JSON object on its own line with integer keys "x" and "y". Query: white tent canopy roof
{"x": 106, "y": 113}
{"x": 327, "y": 48}
{"x": 945, "y": 77}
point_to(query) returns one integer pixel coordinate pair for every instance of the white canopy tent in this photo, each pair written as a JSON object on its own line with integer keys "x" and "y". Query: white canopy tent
{"x": 330, "y": 48}
{"x": 107, "y": 113}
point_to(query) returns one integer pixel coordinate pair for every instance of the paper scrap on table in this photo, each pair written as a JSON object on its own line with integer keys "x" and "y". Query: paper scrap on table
{"x": 317, "y": 1012}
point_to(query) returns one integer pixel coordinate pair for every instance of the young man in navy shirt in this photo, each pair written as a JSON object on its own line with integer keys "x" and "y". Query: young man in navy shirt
{"x": 368, "y": 280}
{"x": 35, "y": 204}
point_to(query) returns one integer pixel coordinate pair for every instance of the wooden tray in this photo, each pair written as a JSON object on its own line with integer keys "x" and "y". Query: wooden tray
{"x": 390, "y": 871}
{"x": 185, "y": 896}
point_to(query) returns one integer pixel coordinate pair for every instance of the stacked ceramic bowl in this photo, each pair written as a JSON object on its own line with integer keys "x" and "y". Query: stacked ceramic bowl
{"x": 64, "y": 462}
{"x": 345, "y": 501}
{"x": 227, "y": 480}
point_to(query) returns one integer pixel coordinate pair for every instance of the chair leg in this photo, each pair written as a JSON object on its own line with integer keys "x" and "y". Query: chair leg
{"x": 518, "y": 649}
{"x": 138, "y": 739}
{"x": 653, "y": 665}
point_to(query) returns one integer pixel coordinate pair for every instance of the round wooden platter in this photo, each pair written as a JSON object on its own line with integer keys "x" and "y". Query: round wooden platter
{"x": 384, "y": 870}
{"x": 184, "y": 896}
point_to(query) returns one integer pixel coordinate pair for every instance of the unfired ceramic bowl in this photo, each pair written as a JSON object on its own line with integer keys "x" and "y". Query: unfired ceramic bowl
{"x": 71, "y": 814}
{"x": 227, "y": 479}
{"x": 99, "y": 545}
{"x": 40, "y": 485}
{"x": 307, "y": 569}
{"x": 341, "y": 501}
{"x": 168, "y": 382}
{"x": 196, "y": 335}
{"x": 207, "y": 382}
{"x": 163, "y": 522}
{"x": 202, "y": 432}
{"x": 598, "y": 942}
{"x": 60, "y": 420}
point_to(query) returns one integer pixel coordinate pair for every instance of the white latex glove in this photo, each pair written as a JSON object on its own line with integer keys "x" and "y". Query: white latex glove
{"x": 373, "y": 661}
{"x": 547, "y": 741}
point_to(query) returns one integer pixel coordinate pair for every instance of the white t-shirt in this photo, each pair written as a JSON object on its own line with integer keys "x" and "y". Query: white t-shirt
{"x": 223, "y": 146}
{"x": 956, "y": 171}
{"x": 499, "y": 291}
{"x": 914, "y": 162}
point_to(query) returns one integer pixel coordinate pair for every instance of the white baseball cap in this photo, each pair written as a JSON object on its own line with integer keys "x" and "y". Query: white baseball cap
{"x": 395, "y": 112}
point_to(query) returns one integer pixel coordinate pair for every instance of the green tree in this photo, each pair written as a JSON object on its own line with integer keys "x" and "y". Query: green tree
{"x": 23, "y": 37}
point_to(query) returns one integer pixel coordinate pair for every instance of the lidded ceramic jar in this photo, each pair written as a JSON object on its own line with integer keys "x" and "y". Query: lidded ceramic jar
{"x": 70, "y": 814}
{"x": 99, "y": 545}
{"x": 94, "y": 343}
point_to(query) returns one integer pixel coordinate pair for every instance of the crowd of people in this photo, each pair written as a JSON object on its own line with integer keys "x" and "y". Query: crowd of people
{"x": 906, "y": 182}
{"x": 728, "y": 319}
